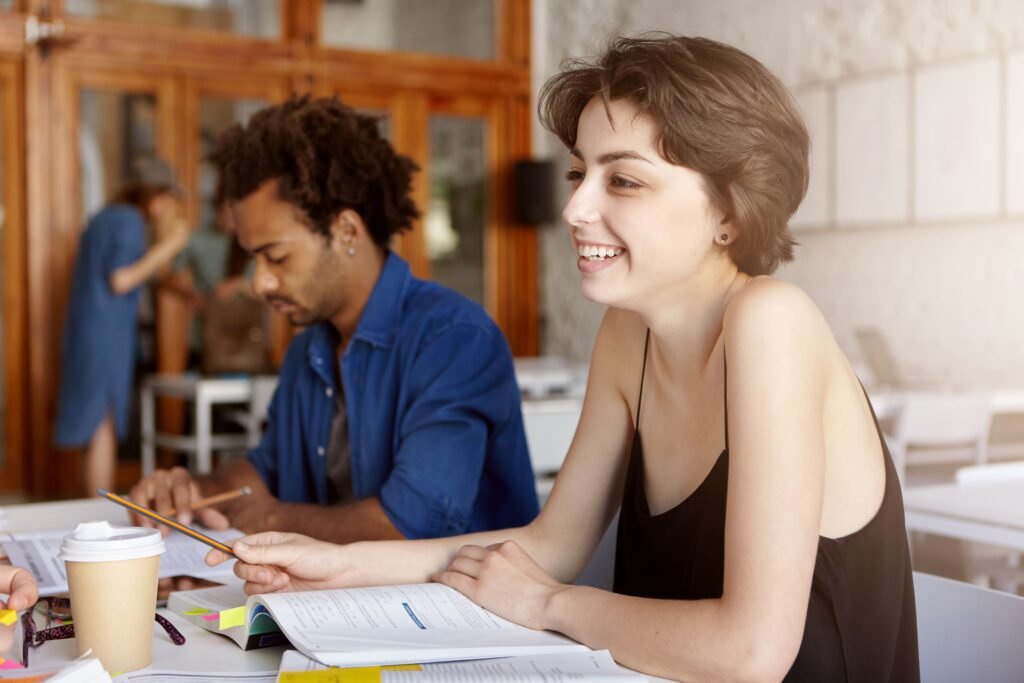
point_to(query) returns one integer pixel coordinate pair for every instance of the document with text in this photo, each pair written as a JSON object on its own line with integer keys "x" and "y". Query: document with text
{"x": 409, "y": 624}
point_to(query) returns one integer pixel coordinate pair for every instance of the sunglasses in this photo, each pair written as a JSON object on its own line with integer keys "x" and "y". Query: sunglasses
{"x": 58, "y": 608}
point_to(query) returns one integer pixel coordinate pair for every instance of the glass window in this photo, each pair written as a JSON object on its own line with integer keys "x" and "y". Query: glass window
{"x": 6, "y": 5}
{"x": 461, "y": 28}
{"x": 115, "y": 129}
{"x": 245, "y": 17}
{"x": 456, "y": 217}
{"x": 216, "y": 115}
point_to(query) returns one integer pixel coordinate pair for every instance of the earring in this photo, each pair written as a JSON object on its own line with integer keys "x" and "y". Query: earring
{"x": 723, "y": 238}
{"x": 351, "y": 251}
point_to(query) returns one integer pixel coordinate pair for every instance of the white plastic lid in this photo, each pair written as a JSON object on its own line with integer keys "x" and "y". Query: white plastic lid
{"x": 101, "y": 542}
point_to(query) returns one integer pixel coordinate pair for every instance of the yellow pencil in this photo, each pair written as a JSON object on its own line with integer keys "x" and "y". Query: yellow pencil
{"x": 156, "y": 517}
{"x": 214, "y": 500}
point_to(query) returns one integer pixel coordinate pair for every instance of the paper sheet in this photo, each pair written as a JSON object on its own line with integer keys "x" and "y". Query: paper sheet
{"x": 578, "y": 666}
{"x": 38, "y": 552}
{"x": 400, "y": 625}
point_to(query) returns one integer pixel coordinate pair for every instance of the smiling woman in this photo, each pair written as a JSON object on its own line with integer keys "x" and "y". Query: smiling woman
{"x": 761, "y": 530}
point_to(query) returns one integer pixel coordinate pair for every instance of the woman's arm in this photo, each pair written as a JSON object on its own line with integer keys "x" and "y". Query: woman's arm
{"x": 127, "y": 278}
{"x": 776, "y": 345}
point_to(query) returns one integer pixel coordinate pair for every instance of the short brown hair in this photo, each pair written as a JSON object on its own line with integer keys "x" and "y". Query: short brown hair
{"x": 720, "y": 112}
{"x": 326, "y": 158}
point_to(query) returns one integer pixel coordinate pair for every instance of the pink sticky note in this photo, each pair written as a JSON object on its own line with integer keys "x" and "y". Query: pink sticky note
{"x": 211, "y": 617}
{"x": 10, "y": 664}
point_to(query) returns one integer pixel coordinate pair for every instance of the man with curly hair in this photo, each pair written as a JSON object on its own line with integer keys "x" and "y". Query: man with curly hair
{"x": 397, "y": 414}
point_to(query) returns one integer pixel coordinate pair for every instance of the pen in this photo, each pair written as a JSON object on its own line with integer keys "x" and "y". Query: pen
{"x": 215, "y": 500}
{"x": 156, "y": 517}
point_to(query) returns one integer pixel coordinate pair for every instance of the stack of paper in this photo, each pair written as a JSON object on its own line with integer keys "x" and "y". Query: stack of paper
{"x": 579, "y": 667}
{"x": 39, "y": 552}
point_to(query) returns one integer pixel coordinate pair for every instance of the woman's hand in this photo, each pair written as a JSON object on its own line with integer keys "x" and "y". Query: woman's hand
{"x": 22, "y": 594}
{"x": 504, "y": 579}
{"x": 277, "y": 561}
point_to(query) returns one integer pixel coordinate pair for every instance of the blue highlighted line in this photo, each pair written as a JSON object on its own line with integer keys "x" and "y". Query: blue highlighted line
{"x": 412, "y": 615}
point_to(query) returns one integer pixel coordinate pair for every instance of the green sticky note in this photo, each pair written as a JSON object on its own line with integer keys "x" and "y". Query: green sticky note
{"x": 232, "y": 617}
{"x": 8, "y": 616}
{"x": 195, "y": 612}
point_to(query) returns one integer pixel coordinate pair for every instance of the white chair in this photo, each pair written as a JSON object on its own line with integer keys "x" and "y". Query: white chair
{"x": 967, "y": 633}
{"x": 935, "y": 428}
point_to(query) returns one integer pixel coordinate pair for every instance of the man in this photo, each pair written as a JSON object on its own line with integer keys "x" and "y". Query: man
{"x": 397, "y": 414}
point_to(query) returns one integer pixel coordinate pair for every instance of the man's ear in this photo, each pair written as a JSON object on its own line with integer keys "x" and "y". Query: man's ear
{"x": 348, "y": 227}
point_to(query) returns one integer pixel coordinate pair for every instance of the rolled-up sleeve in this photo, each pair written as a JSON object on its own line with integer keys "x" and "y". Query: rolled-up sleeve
{"x": 462, "y": 385}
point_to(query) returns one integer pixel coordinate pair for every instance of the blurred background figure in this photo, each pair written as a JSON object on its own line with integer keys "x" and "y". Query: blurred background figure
{"x": 98, "y": 350}
{"x": 213, "y": 274}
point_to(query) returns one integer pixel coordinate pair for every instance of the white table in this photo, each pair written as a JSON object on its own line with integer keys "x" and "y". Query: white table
{"x": 990, "y": 512}
{"x": 203, "y": 652}
{"x": 204, "y": 392}
{"x": 1004, "y": 401}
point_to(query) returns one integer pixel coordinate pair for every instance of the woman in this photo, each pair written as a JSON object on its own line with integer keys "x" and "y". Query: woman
{"x": 21, "y": 591}
{"x": 708, "y": 377}
{"x": 98, "y": 354}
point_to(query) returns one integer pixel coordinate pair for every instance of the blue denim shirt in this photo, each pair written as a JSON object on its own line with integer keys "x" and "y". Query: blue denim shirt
{"x": 435, "y": 422}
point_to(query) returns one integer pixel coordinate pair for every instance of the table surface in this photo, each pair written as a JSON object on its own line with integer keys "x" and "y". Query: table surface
{"x": 998, "y": 503}
{"x": 204, "y": 652}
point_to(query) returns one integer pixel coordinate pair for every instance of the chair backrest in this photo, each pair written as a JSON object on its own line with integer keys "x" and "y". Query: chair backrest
{"x": 968, "y": 633}
{"x": 937, "y": 427}
{"x": 979, "y": 474}
{"x": 878, "y": 357}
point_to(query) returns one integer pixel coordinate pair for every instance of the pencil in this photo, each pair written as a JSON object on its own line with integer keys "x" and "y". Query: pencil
{"x": 156, "y": 517}
{"x": 214, "y": 500}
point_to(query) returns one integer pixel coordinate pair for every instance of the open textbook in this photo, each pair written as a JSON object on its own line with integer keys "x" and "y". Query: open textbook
{"x": 353, "y": 627}
{"x": 577, "y": 667}
{"x": 222, "y": 609}
{"x": 39, "y": 553}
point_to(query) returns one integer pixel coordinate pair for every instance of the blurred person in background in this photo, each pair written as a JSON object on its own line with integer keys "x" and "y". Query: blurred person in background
{"x": 99, "y": 345}
{"x": 211, "y": 273}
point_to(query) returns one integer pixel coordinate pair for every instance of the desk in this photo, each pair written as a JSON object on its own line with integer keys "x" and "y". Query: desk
{"x": 204, "y": 392}
{"x": 203, "y": 652}
{"x": 990, "y": 512}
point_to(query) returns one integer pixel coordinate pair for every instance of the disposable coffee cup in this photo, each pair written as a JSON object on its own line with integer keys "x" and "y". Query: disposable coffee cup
{"x": 112, "y": 577}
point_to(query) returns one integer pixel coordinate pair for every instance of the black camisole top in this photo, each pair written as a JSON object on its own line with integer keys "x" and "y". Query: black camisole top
{"x": 861, "y": 622}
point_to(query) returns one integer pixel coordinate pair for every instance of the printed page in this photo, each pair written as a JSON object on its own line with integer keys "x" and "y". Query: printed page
{"x": 401, "y": 624}
{"x": 214, "y": 599}
{"x": 38, "y": 552}
{"x": 576, "y": 667}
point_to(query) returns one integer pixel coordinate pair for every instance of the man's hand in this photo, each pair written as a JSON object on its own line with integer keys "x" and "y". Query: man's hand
{"x": 255, "y": 512}
{"x": 175, "y": 489}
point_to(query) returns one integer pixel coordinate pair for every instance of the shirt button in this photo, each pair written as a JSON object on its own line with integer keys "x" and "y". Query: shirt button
{"x": 329, "y": 391}
{"x": 318, "y": 361}
{"x": 320, "y": 451}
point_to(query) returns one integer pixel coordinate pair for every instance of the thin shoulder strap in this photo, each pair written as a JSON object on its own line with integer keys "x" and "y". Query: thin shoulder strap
{"x": 643, "y": 372}
{"x": 725, "y": 400}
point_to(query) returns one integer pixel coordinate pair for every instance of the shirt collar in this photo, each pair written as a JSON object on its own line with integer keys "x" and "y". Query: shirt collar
{"x": 378, "y": 324}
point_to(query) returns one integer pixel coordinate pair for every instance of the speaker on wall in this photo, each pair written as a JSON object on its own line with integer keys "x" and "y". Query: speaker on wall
{"x": 533, "y": 192}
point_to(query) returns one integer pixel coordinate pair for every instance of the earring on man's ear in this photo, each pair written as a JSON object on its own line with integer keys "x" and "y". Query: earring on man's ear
{"x": 351, "y": 251}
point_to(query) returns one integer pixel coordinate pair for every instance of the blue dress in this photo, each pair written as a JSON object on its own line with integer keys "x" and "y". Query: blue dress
{"x": 98, "y": 350}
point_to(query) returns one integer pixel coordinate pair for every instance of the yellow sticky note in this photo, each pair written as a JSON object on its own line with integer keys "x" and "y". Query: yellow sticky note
{"x": 8, "y": 616}
{"x": 194, "y": 612}
{"x": 232, "y": 617}
{"x": 366, "y": 674}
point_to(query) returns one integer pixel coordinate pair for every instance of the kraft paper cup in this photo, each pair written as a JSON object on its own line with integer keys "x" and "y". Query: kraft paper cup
{"x": 112, "y": 576}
